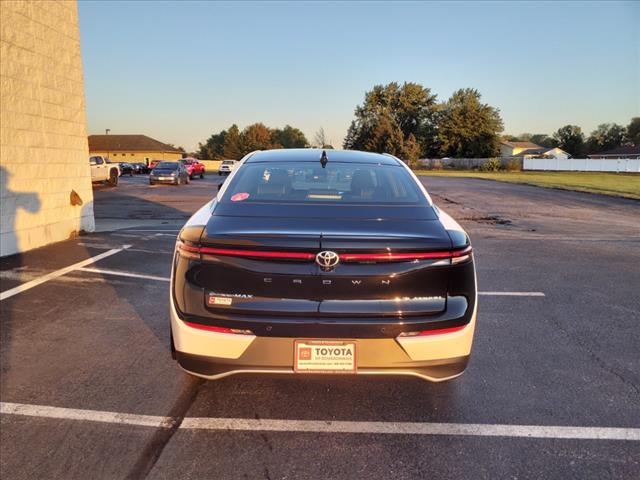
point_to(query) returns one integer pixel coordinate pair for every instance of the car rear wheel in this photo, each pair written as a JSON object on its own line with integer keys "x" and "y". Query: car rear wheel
{"x": 113, "y": 177}
{"x": 202, "y": 175}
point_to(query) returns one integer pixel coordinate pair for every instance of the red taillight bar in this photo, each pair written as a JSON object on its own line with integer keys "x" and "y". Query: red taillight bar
{"x": 246, "y": 253}
{"x": 257, "y": 253}
{"x": 345, "y": 257}
{"x": 440, "y": 331}
{"x": 211, "y": 328}
{"x": 437, "y": 331}
{"x": 391, "y": 257}
{"x": 188, "y": 248}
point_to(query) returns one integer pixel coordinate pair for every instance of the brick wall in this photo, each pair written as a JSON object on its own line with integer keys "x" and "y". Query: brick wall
{"x": 43, "y": 134}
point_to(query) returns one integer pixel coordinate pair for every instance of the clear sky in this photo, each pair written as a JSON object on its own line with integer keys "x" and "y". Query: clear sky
{"x": 179, "y": 71}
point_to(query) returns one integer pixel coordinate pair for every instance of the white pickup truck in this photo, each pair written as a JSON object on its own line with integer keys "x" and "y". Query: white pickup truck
{"x": 104, "y": 171}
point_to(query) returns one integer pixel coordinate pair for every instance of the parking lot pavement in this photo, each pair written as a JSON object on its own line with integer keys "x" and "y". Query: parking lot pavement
{"x": 94, "y": 344}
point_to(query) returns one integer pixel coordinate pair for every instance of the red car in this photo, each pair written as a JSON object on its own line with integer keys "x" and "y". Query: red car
{"x": 194, "y": 167}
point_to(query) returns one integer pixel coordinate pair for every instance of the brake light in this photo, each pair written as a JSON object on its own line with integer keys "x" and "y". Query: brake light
{"x": 258, "y": 253}
{"x": 211, "y": 328}
{"x": 437, "y": 331}
{"x": 194, "y": 252}
{"x": 188, "y": 251}
{"x": 456, "y": 256}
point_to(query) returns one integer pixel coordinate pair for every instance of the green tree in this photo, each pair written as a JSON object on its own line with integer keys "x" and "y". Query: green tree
{"x": 633, "y": 131}
{"x": 409, "y": 108}
{"x": 386, "y": 137}
{"x": 289, "y": 137}
{"x": 213, "y": 148}
{"x": 233, "y": 148}
{"x": 411, "y": 151}
{"x": 543, "y": 140}
{"x": 570, "y": 139}
{"x": 510, "y": 138}
{"x": 606, "y": 137}
{"x": 469, "y": 128}
{"x": 256, "y": 137}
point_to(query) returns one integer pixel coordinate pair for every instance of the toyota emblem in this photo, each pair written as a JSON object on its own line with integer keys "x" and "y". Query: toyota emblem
{"x": 327, "y": 259}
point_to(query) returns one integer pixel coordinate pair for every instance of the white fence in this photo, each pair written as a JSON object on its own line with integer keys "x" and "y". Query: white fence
{"x": 619, "y": 165}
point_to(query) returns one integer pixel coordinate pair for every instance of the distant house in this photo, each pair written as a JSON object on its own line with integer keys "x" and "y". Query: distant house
{"x": 530, "y": 150}
{"x": 631, "y": 151}
{"x": 132, "y": 148}
{"x": 511, "y": 149}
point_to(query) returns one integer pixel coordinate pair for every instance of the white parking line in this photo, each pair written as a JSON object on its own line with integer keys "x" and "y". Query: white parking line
{"x": 58, "y": 273}
{"x": 414, "y": 428}
{"x": 328, "y": 426}
{"x": 124, "y": 274}
{"x": 43, "y": 411}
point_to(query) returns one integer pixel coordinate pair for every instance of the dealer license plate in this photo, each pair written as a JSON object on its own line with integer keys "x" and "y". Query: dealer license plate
{"x": 324, "y": 356}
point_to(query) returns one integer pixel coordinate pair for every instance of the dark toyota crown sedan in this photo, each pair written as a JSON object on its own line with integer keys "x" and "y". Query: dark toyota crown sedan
{"x": 322, "y": 262}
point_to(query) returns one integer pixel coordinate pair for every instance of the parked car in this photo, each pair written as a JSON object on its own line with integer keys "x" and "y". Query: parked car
{"x": 126, "y": 168}
{"x": 169, "y": 172}
{"x": 226, "y": 167}
{"x": 313, "y": 262}
{"x": 194, "y": 168}
{"x": 140, "y": 168}
{"x": 153, "y": 164}
{"x": 104, "y": 171}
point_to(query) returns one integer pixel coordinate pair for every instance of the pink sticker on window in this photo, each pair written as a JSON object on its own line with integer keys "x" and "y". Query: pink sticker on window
{"x": 238, "y": 197}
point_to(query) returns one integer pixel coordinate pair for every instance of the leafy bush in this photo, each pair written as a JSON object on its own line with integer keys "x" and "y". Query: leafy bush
{"x": 514, "y": 165}
{"x": 491, "y": 165}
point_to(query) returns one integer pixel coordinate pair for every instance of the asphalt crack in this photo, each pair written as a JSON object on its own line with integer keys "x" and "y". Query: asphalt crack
{"x": 161, "y": 437}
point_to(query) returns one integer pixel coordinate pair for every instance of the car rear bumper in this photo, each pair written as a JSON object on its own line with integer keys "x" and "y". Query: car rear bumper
{"x": 214, "y": 355}
{"x": 156, "y": 180}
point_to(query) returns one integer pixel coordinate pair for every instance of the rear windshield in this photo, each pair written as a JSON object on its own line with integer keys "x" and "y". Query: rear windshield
{"x": 167, "y": 165}
{"x": 309, "y": 183}
{"x": 228, "y": 162}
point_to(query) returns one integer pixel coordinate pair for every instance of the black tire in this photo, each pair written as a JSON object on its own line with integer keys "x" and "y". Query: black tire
{"x": 151, "y": 183}
{"x": 219, "y": 173}
{"x": 113, "y": 177}
{"x": 202, "y": 175}
{"x": 191, "y": 176}
{"x": 131, "y": 173}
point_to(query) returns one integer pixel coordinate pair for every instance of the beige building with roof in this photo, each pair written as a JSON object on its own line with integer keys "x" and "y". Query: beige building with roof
{"x": 530, "y": 150}
{"x": 132, "y": 148}
{"x": 512, "y": 149}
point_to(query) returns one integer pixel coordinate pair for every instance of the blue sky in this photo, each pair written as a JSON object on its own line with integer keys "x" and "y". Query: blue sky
{"x": 179, "y": 71}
